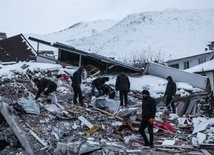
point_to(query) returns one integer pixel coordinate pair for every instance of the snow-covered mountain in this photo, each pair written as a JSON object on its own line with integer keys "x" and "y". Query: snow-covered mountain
{"x": 74, "y": 32}
{"x": 83, "y": 29}
{"x": 159, "y": 35}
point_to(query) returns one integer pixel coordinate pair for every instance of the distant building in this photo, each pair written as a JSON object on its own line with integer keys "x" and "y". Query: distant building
{"x": 188, "y": 62}
{"x": 205, "y": 69}
{"x": 211, "y": 46}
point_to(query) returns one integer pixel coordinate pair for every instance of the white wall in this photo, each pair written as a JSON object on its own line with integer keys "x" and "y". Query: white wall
{"x": 193, "y": 61}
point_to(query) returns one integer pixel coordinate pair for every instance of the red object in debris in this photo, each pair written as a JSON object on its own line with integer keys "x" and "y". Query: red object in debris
{"x": 185, "y": 122}
{"x": 65, "y": 77}
{"x": 165, "y": 125}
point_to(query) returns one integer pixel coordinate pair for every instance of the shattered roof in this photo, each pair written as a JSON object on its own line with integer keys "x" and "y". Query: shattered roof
{"x": 91, "y": 55}
{"x": 16, "y": 48}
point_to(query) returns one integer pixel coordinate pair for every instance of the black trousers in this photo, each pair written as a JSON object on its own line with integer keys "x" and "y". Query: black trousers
{"x": 123, "y": 95}
{"x": 77, "y": 92}
{"x": 170, "y": 100}
{"x": 143, "y": 125}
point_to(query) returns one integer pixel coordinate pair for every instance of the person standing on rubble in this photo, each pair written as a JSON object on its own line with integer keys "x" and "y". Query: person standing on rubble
{"x": 148, "y": 115}
{"x": 76, "y": 84}
{"x": 44, "y": 85}
{"x": 170, "y": 94}
{"x": 123, "y": 85}
{"x": 97, "y": 83}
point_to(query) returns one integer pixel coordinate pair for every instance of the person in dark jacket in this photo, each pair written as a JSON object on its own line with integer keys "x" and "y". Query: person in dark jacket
{"x": 170, "y": 94}
{"x": 123, "y": 85}
{"x": 148, "y": 115}
{"x": 107, "y": 90}
{"x": 97, "y": 83}
{"x": 44, "y": 85}
{"x": 76, "y": 84}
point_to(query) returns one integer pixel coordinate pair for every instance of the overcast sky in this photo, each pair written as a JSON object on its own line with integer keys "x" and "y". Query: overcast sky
{"x": 47, "y": 16}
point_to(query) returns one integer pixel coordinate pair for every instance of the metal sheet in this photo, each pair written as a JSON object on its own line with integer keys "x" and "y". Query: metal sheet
{"x": 177, "y": 75}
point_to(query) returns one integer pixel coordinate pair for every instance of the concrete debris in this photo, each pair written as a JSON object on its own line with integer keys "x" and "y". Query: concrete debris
{"x": 101, "y": 127}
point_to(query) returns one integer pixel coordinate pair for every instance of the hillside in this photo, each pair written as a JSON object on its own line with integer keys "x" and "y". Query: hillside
{"x": 83, "y": 29}
{"x": 159, "y": 35}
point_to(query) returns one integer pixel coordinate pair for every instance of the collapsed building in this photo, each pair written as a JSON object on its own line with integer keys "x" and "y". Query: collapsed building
{"x": 102, "y": 126}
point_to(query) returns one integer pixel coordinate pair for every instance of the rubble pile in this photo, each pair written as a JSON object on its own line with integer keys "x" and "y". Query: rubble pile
{"x": 41, "y": 127}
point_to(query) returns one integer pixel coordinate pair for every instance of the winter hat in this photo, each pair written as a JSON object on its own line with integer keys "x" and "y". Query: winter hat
{"x": 145, "y": 92}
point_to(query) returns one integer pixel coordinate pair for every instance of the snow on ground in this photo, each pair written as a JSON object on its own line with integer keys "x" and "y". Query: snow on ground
{"x": 155, "y": 85}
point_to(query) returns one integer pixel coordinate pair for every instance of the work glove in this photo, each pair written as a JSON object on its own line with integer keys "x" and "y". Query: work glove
{"x": 151, "y": 120}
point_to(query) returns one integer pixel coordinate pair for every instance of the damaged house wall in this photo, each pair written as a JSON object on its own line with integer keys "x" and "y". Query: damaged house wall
{"x": 177, "y": 75}
{"x": 16, "y": 49}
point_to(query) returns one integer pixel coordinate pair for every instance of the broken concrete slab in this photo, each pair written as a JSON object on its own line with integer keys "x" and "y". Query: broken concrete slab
{"x": 20, "y": 134}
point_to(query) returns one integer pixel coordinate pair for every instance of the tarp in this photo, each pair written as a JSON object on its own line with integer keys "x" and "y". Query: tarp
{"x": 29, "y": 104}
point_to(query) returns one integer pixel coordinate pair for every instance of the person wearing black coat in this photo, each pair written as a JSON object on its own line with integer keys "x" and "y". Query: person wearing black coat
{"x": 76, "y": 84}
{"x": 107, "y": 90}
{"x": 97, "y": 83}
{"x": 44, "y": 85}
{"x": 148, "y": 115}
{"x": 123, "y": 85}
{"x": 170, "y": 94}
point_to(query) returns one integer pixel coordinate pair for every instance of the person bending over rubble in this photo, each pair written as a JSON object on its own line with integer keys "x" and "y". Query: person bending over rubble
{"x": 148, "y": 115}
{"x": 97, "y": 83}
{"x": 107, "y": 90}
{"x": 44, "y": 85}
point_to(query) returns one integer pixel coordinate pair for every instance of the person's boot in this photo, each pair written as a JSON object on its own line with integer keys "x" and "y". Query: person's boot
{"x": 146, "y": 144}
{"x": 81, "y": 104}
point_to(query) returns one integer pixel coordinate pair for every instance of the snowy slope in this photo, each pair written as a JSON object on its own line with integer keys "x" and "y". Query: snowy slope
{"x": 76, "y": 31}
{"x": 83, "y": 29}
{"x": 159, "y": 35}
{"x": 164, "y": 35}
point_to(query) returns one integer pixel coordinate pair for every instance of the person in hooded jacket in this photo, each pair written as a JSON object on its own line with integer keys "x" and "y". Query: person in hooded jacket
{"x": 148, "y": 115}
{"x": 170, "y": 94}
{"x": 44, "y": 85}
{"x": 76, "y": 84}
{"x": 97, "y": 83}
{"x": 123, "y": 85}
